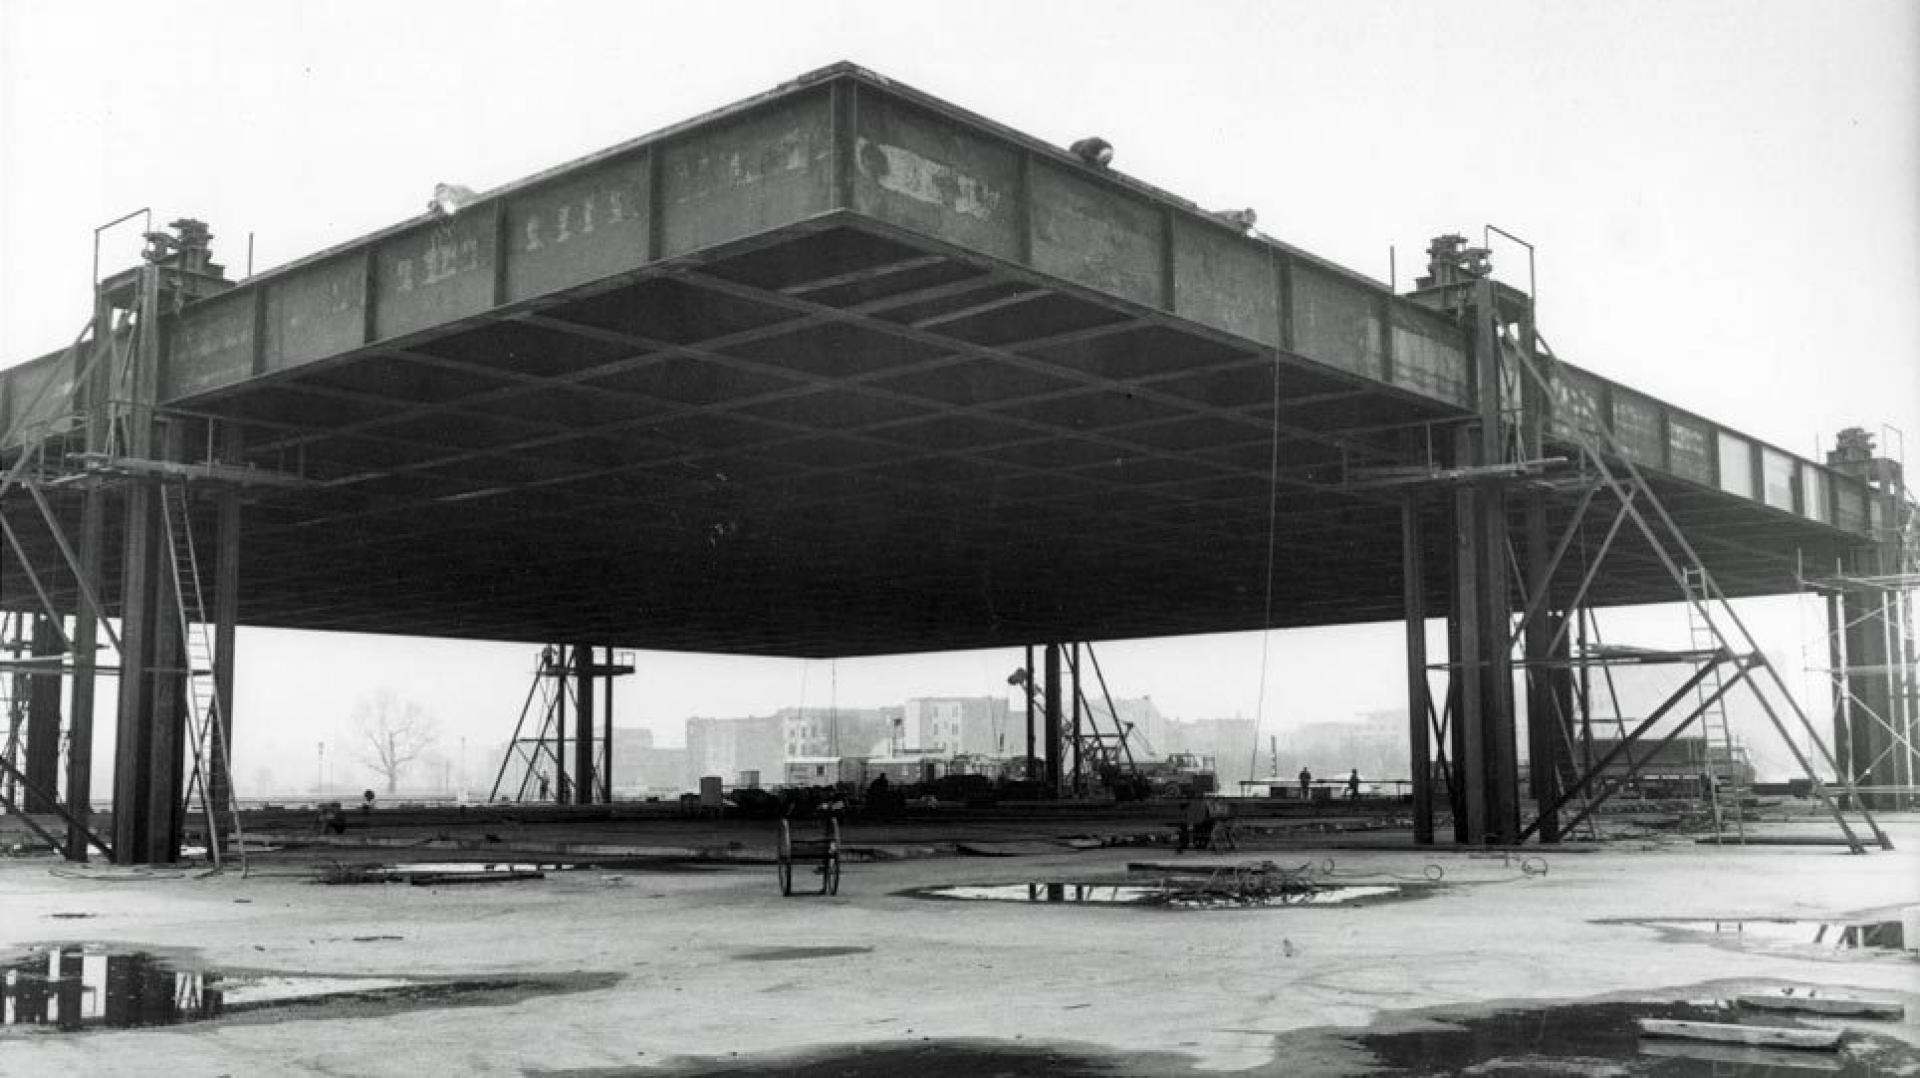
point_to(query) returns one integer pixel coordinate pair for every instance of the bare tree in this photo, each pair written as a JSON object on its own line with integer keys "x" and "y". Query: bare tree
{"x": 391, "y": 733}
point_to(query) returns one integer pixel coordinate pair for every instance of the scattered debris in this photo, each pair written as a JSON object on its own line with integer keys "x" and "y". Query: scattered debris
{"x": 1811, "y": 1001}
{"x": 1732, "y": 1033}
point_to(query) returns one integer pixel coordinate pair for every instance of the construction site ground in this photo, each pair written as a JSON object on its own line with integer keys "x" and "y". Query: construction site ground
{"x": 665, "y": 947}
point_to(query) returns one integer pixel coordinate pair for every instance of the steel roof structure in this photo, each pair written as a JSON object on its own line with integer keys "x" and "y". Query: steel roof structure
{"x": 843, "y": 369}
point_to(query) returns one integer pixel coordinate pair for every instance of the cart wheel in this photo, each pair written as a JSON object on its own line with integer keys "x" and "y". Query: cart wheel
{"x": 830, "y": 869}
{"x": 784, "y": 858}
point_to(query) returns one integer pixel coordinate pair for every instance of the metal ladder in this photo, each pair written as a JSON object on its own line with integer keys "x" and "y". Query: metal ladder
{"x": 1725, "y": 789}
{"x": 204, "y": 728}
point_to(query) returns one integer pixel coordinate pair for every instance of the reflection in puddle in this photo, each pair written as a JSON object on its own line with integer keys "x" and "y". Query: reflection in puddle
{"x": 1134, "y": 894}
{"x": 81, "y": 987}
{"x": 72, "y": 989}
{"x": 1594, "y": 1040}
{"x": 1783, "y": 934}
{"x": 478, "y": 867}
{"x": 76, "y": 988}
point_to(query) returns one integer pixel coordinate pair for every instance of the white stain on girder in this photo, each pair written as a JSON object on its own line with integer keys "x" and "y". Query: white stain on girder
{"x": 904, "y": 172}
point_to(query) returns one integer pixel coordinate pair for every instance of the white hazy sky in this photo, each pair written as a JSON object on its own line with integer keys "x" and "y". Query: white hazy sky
{"x": 1725, "y": 197}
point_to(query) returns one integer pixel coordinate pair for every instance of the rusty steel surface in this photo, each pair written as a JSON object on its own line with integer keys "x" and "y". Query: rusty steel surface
{"x": 842, "y": 370}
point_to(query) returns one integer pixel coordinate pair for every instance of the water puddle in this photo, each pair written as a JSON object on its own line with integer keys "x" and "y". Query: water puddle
{"x": 1163, "y": 895}
{"x": 74, "y": 988}
{"x": 928, "y": 1058}
{"x": 1781, "y": 935}
{"x": 437, "y": 872}
{"x": 793, "y": 954}
{"x": 1600, "y": 1040}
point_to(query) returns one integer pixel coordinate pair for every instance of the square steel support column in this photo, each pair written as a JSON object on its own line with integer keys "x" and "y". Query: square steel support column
{"x": 1456, "y": 737}
{"x": 139, "y": 835}
{"x": 583, "y": 725}
{"x": 226, "y": 616}
{"x": 86, "y": 643}
{"x": 1544, "y": 713}
{"x": 43, "y": 719}
{"x": 606, "y": 747}
{"x": 168, "y": 673}
{"x": 1073, "y": 692}
{"x": 94, "y": 394}
{"x": 1467, "y": 663}
{"x": 1871, "y": 753}
{"x": 1053, "y": 720}
{"x": 1027, "y": 693}
{"x": 559, "y": 671}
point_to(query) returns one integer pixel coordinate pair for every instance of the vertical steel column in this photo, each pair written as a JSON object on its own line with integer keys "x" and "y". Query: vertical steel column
{"x": 1836, "y": 671}
{"x": 43, "y": 719}
{"x": 1452, "y": 706}
{"x": 86, "y": 643}
{"x": 1499, "y": 763}
{"x": 559, "y": 672}
{"x": 606, "y": 750}
{"x": 13, "y": 628}
{"x": 584, "y": 738}
{"x": 86, "y": 626}
{"x": 1027, "y": 689}
{"x": 1079, "y": 765}
{"x": 167, "y": 674}
{"x": 1544, "y": 735}
{"x": 133, "y": 744}
{"x": 1414, "y": 590}
{"x": 1467, "y": 661}
{"x": 1053, "y": 720}
{"x": 1906, "y": 652}
{"x": 226, "y": 617}
{"x": 1869, "y": 682}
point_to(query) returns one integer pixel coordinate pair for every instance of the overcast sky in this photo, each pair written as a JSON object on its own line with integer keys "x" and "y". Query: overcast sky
{"x": 1725, "y": 198}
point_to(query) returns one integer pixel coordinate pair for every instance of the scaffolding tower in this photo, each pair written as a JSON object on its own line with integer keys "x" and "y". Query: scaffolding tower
{"x": 164, "y": 623}
{"x": 1502, "y": 458}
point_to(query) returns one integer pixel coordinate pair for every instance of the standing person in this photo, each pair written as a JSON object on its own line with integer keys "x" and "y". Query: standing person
{"x": 1353, "y": 785}
{"x": 1306, "y": 783}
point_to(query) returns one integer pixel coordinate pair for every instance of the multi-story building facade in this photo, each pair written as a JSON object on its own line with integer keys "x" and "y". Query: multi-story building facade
{"x": 950, "y": 725}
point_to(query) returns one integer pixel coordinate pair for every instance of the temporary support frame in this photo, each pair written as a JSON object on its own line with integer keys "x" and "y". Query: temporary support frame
{"x": 564, "y": 680}
{"x": 119, "y": 455}
{"x": 1474, "y": 728}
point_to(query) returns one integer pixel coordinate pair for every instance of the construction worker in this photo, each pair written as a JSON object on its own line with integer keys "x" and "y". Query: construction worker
{"x": 1353, "y": 785}
{"x": 1306, "y": 783}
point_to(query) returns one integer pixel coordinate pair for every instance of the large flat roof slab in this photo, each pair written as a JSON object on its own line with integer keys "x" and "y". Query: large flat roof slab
{"x": 844, "y": 370}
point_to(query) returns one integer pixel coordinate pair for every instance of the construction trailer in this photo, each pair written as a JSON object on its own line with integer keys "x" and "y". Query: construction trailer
{"x": 843, "y": 369}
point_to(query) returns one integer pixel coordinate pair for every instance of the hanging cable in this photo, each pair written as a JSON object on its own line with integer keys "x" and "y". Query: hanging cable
{"x": 1273, "y": 513}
